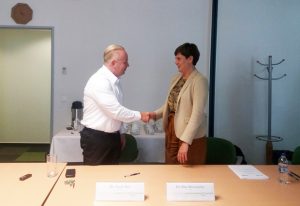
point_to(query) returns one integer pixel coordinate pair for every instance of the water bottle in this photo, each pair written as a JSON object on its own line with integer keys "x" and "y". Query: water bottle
{"x": 283, "y": 169}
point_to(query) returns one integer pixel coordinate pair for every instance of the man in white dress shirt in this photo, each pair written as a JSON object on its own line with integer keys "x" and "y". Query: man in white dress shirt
{"x": 103, "y": 112}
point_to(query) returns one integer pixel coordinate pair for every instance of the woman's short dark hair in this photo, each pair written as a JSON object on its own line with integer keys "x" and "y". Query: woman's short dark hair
{"x": 187, "y": 50}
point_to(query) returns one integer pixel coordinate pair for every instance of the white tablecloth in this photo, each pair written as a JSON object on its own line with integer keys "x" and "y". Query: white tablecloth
{"x": 66, "y": 145}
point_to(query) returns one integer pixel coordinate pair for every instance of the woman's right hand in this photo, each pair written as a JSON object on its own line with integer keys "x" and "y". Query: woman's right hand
{"x": 152, "y": 115}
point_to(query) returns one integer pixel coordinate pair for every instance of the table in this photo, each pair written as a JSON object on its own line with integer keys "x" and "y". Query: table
{"x": 229, "y": 189}
{"x": 66, "y": 145}
{"x": 32, "y": 191}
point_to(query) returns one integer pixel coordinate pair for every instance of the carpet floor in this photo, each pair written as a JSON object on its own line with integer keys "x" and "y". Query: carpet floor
{"x": 23, "y": 152}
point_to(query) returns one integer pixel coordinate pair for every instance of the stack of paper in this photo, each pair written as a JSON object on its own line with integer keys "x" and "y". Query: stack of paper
{"x": 248, "y": 172}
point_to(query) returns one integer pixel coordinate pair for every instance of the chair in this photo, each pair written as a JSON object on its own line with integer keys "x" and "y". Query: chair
{"x": 296, "y": 156}
{"x": 240, "y": 157}
{"x": 130, "y": 151}
{"x": 220, "y": 151}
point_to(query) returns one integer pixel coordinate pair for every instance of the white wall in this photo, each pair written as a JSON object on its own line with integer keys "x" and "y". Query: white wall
{"x": 150, "y": 30}
{"x": 249, "y": 31}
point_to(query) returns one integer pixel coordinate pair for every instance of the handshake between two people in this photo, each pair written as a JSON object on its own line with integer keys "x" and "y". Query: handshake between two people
{"x": 146, "y": 116}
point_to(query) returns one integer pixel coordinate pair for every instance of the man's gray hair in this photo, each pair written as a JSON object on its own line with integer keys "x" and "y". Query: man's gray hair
{"x": 109, "y": 51}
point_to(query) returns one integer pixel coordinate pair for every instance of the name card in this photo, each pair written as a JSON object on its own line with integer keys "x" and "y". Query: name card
{"x": 182, "y": 192}
{"x": 120, "y": 191}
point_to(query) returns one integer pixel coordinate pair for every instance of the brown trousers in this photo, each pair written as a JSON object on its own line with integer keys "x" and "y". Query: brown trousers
{"x": 196, "y": 152}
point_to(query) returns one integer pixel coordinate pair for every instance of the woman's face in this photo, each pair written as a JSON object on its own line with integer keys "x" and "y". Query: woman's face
{"x": 183, "y": 63}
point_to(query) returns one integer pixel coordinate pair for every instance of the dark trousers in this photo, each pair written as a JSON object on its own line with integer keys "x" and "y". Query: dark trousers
{"x": 100, "y": 147}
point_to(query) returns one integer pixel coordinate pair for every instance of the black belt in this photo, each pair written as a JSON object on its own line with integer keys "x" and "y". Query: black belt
{"x": 99, "y": 131}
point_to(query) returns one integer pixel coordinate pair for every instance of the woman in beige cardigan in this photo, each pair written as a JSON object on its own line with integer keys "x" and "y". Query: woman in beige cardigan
{"x": 183, "y": 114}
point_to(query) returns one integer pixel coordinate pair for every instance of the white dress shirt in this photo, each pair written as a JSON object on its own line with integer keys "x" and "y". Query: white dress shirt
{"x": 102, "y": 102}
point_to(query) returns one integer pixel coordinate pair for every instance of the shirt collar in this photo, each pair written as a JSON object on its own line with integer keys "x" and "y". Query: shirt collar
{"x": 110, "y": 75}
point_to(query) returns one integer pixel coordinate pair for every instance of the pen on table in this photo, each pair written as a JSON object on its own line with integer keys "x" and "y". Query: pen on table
{"x": 137, "y": 173}
{"x": 294, "y": 174}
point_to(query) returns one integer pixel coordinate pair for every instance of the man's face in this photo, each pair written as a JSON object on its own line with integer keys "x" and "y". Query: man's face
{"x": 121, "y": 63}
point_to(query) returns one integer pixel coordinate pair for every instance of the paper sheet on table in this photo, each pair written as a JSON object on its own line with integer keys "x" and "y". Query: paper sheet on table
{"x": 248, "y": 172}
